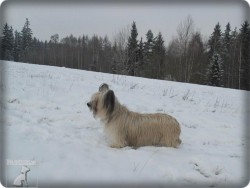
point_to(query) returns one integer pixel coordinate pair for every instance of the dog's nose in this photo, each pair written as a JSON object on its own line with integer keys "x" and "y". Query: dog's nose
{"x": 88, "y": 104}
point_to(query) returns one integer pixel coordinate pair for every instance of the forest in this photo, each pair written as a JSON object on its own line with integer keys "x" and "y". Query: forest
{"x": 221, "y": 60}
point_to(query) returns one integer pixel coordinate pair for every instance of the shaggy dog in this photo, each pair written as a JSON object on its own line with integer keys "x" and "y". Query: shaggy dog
{"x": 127, "y": 128}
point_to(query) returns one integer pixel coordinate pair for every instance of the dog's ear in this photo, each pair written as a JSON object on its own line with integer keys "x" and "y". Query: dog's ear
{"x": 109, "y": 101}
{"x": 103, "y": 87}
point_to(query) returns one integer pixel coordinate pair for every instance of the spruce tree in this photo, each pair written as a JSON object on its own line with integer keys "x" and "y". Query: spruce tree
{"x": 4, "y": 41}
{"x": 7, "y": 41}
{"x": 215, "y": 41}
{"x": 132, "y": 49}
{"x": 26, "y": 34}
{"x": 244, "y": 68}
{"x": 234, "y": 60}
{"x": 11, "y": 39}
{"x": 149, "y": 67}
{"x": 17, "y": 46}
{"x": 215, "y": 71}
{"x": 140, "y": 58}
{"x": 149, "y": 44}
{"x": 226, "y": 56}
{"x": 226, "y": 38}
{"x": 141, "y": 53}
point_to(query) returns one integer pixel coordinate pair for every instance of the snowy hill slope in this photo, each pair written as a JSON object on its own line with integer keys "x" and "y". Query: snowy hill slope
{"x": 47, "y": 120}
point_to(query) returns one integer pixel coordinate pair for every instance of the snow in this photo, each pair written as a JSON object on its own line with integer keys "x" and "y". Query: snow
{"x": 47, "y": 120}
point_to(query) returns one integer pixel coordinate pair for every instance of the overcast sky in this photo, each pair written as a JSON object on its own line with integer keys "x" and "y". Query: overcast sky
{"x": 107, "y": 18}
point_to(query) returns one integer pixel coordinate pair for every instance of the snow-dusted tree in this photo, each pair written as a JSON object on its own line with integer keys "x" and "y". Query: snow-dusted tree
{"x": 132, "y": 49}
{"x": 215, "y": 64}
{"x": 215, "y": 41}
{"x": 214, "y": 71}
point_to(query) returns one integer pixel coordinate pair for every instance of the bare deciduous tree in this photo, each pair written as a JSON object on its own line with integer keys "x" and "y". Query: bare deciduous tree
{"x": 185, "y": 31}
{"x": 120, "y": 41}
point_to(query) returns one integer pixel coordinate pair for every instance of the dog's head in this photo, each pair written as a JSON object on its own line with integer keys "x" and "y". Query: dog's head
{"x": 102, "y": 103}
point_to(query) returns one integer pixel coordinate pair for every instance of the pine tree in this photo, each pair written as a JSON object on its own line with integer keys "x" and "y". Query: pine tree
{"x": 149, "y": 44}
{"x": 226, "y": 38}
{"x": 226, "y": 56}
{"x": 114, "y": 61}
{"x": 234, "y": 73}
{"x": 215, "y": 72}
{"x": 17, "y": 46}
{"x": 7, "y": 41}
{"x": 149, "y": 66}
{"x": 215, "y": 41}
{"x": 141, "y": 53}
{"x": 26, "y": 34}
{"x": 11, "y": 39}
{"x": 132, "y": 49}
{"x": 4, "y": 41}
{"x": 244, "y": 68}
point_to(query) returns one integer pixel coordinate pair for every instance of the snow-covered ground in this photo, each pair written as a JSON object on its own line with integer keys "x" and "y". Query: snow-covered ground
{"x": 47, "y": 121}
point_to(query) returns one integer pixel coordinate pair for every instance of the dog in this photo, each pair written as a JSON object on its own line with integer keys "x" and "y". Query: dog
{"x": 21, "y": 179}
{"x": 127, "y": 128}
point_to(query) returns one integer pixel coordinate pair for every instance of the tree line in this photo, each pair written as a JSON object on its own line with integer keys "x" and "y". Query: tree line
{"x": 222, "y": 60}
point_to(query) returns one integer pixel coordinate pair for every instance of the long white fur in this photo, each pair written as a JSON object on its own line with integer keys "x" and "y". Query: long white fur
{"x": 127, "y": 128}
